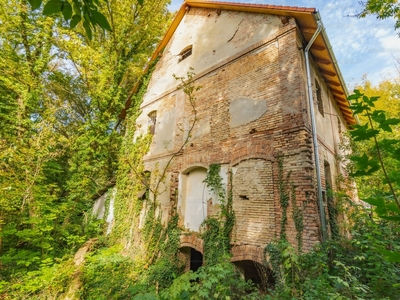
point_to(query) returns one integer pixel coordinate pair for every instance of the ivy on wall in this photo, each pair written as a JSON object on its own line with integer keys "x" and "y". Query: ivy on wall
{"x": 218, "y": 229}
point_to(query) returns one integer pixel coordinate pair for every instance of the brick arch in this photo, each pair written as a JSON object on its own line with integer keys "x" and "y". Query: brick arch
{"x": 247, "y": 252}
{"x": 192, "y": 241}
{"x": 185, "y": 168}
{"x": 239, "y": 160}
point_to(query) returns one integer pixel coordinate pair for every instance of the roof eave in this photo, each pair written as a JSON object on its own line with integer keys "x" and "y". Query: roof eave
{"x": 296, "y": 12}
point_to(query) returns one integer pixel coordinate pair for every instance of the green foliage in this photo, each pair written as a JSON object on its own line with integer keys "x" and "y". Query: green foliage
{"x": 341, "y": 268}
{"x": 108, "y": 274}
{"x": 59, "y": 102}
{"x": 76, "y": 11}
{"x": 218, "y": 229}
{"x": 218, "y": 281}
{"x": 49, "y": 281}
{"x": 376, "y": 152}
{"x": 284, "y": 196}
{"x": 287, "y": 195}
{"x": 382, "y": 9}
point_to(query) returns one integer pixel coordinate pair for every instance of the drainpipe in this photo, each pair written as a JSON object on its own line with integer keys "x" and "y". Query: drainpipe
{"x": 314, "y": 133}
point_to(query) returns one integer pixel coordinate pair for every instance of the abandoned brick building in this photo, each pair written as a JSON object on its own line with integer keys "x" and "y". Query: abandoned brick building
{"x": 257, "y": 81}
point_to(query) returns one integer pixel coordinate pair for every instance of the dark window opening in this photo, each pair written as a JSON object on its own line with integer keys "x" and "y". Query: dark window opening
{"x": 196, "y": 260}
{"x": 243, "y": 197}
{"x": 332, "y": 211}
{"x": 152, "y": 122}
{"x": 143, "y": 194}
{"x": 319, "y": 98}
{"x": 259, "y": 274}
{"x": 185, "y": 53}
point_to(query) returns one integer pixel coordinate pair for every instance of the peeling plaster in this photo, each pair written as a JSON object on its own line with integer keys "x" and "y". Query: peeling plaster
{"x": 245, "y": 110}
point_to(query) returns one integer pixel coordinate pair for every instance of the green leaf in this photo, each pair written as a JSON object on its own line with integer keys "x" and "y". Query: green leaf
{"x": 375, "y": 201}
{"x": 35, "y": 3}
{"x": 52, "y": 7}
{"x": 67, "y": 10}
{"x": 101, "y": 20}
{"x": 88, "y": 30}
{"x": 387, "y": 143}
{"x": 362, "y": 132}
{"x": 74, "y": 21}
{"x": 77, "y": 7}
{"x": 354, "y": 96}
{"x": 391, "y": 256}
{"x": 390, "y": 218}
{"x": 140, "y": 2}
{"x": 393, "y": 207}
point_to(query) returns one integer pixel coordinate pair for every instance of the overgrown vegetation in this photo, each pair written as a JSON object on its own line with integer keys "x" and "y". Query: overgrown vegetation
{"x": 60, "y": 96}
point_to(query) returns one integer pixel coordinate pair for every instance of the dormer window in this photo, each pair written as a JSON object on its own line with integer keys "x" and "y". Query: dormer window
{"x": 186, "y": 52}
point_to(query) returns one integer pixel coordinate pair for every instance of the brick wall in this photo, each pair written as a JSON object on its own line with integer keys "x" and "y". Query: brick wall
{"x": 268, "y": 71}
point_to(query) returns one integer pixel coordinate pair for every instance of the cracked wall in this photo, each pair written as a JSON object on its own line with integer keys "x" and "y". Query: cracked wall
{"x": 251, "y": 109}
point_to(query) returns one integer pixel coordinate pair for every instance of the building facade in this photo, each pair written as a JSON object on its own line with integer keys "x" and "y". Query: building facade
{"x": 251, "y": 116}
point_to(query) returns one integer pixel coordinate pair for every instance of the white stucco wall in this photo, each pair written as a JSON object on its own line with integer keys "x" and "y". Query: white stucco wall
{"x": 214, "y": 38}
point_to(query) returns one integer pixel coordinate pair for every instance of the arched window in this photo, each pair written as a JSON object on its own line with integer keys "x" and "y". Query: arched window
{"x": 194, "y": 195}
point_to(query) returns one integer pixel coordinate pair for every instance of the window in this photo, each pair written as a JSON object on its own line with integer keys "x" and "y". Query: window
{"x": 319, "y": 98}
{"x": 152, "y": 121}
{"x": 143, "y": 194}
{"x": 195, "y": 195}
{"x": 186, "y": 52}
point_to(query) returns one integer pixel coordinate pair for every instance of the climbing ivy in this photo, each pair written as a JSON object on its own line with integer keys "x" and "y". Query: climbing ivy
{"x": 287, "y": 193}
{"x": 282, "y": 256}
{"x": 297, "y": 218}
{"x": 218, "y": 229}
{"x": 332, "y": 213}
{"x": 283, "y": 196}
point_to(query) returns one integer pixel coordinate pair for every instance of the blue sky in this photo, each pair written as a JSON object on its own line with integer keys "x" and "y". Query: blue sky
{"x": 362, "y": 46}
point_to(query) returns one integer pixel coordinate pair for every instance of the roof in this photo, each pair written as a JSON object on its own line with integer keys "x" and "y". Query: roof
{"x": 306, "y": 19}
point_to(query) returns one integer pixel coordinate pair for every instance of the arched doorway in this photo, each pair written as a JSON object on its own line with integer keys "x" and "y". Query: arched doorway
{"x": 192, "y": 258}
{"x": 259, "y": 274}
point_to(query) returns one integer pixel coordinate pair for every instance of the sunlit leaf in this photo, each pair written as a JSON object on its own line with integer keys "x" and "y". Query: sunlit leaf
{"x": 52, "y": 7}
{"x": 74, "y": 21}
{"x": 67, "y": 10}
{"x": 35, "y": 4}
{"x": 101, "y": 20}
{"x": 88, "y": 30}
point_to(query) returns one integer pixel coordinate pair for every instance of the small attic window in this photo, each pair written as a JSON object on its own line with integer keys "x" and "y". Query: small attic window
{"x": 186, "y": 52}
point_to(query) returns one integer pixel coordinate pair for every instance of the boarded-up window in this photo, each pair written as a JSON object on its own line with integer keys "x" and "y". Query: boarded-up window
{"x": 195, "y": 195}
{"x": 253, "y": 201}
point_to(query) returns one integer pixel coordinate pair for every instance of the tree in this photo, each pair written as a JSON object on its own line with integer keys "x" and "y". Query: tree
{"x": 60, "y": 95}
{"x": 382, "y": 9}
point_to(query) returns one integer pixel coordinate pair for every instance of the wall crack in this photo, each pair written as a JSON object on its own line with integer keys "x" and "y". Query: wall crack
{"x": 236, "y": 31}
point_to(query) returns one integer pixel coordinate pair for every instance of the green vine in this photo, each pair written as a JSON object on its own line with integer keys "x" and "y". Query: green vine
{"x": 282, "y": 256}
{"x": 284, "y": 196}
{"x": 332, "y": 213}
{"x": 218, "y": 229}
{"x": 298, "y": 219}
{"x": 138, "y": 213}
